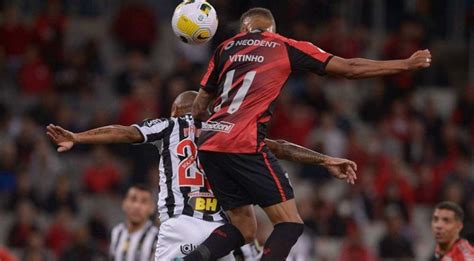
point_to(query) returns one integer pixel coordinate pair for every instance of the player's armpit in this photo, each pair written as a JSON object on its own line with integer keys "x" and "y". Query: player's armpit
{"x": 200, "y": 105}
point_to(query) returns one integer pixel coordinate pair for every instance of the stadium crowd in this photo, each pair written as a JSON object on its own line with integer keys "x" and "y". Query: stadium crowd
{"x": 83, "y": 64}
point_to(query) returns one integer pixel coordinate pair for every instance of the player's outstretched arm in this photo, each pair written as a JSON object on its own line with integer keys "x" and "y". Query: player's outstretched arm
{"x": 339, "y": 168}
{"x": 108, "y": 134}
{"x": 358, "y": 68}
{"x": 201, "y": 104}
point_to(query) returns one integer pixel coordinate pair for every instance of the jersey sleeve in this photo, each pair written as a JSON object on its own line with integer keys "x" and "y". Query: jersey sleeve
{"x": 210, "y": 78}
{"x": 152, "y": 130}
{"x": 305, "y": 56}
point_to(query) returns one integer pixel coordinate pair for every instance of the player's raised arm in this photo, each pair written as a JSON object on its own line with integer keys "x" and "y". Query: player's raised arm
{"x": 201, "y": 104}
{"x": 108, "y": 134}
{"x": 358, "y": 68}
{"x": 339, "y": 168}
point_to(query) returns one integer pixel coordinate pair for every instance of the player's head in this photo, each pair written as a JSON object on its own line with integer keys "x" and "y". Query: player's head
{"x": 138, "y": 204}
{"x": 447, "y": 222}
{"x": 257, "y": 19}
{"x": 183, "y": 104}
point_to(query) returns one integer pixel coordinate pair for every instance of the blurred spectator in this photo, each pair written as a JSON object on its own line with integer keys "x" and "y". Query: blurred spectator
{"x": 394, "y": 245}
{"x": 354, "y": 248}
{"x": 328, "y": 221}
{"x": 432, "y": 121}
{"x": 6, "y": 255}
{"x": 135, "y": 27}
{"x": 83, "y": 248}
{"x": 337, "y": 32}
{"x": 374, "y": 107}
{"x": 97, "y": 228}
{"x": 464, "y": 110}
{"x": 24, "y": 191}
{"x": 61, "y": 197}
{"x": 80, "y": 69}
{"x": 416, "y": 145}
{"x": 59, "y": 235}
{"x": 34, "y": 76}
{"x": 173, "y": 86}
{"x": 49, "y": 31}
{"x": 15, "y": 36}
{"x": 36, "y": 249}
{"x": 329, "y": 138}
{"x": 398, "y": 121}
{"x": 8, "y": 168}
{"x": 393, "y": 188}
{"x": 24, "y": 225}
{"x": 453, "y": 192}
{"x": 102, "y": 175}
{"x": 140, "y": 105}
{"x": 45, "y": 110}
{"x": 314, "y": 95}
{"x": 401, "y": 45}
{"x": 135, "y": 71}
{"x": 45, "y": 166}
{"x": 426, "y": 191}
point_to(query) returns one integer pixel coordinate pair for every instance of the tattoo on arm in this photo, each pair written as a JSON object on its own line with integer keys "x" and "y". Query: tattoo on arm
{"x": 110, "y": 134}
{"x": 292, "y": 152}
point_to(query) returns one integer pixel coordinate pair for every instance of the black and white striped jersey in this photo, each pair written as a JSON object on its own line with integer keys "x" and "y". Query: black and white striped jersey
{"x": 184, "y": 189}
{"x": 137, "y": 246}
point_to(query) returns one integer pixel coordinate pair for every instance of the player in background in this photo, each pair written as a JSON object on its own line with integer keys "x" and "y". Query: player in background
{"x": 446, "y": 224}
{"x": 244, "y": 78}
{"x": 135, "y": 239}
{"x": 187, "y": 208}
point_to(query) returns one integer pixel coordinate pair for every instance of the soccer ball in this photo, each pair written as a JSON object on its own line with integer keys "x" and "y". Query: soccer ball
{"x": 194, "y": 21}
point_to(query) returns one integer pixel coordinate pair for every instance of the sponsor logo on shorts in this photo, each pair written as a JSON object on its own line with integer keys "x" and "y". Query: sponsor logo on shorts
{"x": 220, "y": 126}
{"x": 187, "y": 248}
{"x": 202, "y": 204}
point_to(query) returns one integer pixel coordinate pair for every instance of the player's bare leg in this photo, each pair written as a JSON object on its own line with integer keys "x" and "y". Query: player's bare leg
{"x": 230, "y": 236}
{"x": 245, "y": 220}
{"x": 288, "y": 227}
{"x": 283, "y": 212}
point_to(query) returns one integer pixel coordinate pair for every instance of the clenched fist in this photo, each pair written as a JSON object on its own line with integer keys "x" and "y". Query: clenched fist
{"x": 418, "y": 60}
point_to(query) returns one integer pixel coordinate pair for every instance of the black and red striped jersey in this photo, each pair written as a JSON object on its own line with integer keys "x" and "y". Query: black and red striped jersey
{"x": 247, "y": 73}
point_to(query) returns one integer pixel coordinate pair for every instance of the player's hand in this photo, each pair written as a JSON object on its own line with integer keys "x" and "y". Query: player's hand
{"x": 342, "y": 169}
{"x": 419, "y": 60}
{"x": 61, "y": 137}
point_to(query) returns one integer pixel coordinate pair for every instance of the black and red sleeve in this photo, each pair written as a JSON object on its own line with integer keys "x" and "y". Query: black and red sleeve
{"x": 210, "y": 79}
{"x": 307, "y": 57}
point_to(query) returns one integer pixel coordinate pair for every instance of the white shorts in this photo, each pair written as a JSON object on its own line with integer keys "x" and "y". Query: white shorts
{"x": 180, "y": 235}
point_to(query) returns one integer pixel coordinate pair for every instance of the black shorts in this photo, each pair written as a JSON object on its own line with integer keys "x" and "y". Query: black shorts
{"x": 243, "y": 179}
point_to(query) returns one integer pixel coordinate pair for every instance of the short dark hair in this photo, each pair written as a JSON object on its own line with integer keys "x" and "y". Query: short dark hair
{"x": 449, "y": 205}
{"x": 260, "y": 11}
{"x": 141, "y": 187}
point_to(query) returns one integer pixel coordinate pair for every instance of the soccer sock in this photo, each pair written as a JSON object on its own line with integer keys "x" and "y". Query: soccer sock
{"x": 281, "y": 240}
{"x": 221, "y": 241}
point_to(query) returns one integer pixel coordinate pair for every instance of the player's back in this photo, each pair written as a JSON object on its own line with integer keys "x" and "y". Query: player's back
{"x": 247, "y": 73}
{"x": 183, "y": 187}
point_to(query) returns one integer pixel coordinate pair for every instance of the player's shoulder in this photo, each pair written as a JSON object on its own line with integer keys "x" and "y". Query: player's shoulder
{"x": 465, "y": 247}
{"x": 117, "y": 228}
{"x": 157, "y": 121}
{"x": 154, "y": 229}
{"x": 229, "y": 40}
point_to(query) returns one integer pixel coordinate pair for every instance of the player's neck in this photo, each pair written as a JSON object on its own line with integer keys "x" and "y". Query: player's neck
{"x": 133, "y": 227}
{"x": 446, "y": 247}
